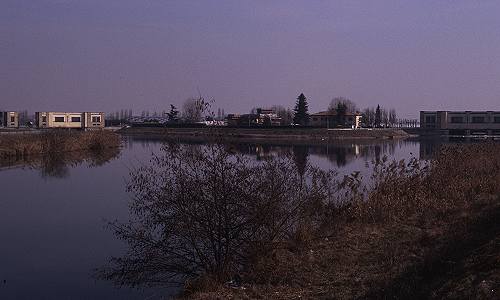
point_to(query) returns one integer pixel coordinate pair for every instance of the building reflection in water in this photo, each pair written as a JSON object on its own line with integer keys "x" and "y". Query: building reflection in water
{"x": 430, "y": 147}
{"x": 340, "y": 154}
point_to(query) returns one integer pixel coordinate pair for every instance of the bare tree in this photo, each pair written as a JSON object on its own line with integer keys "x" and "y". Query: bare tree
{"x": 351, "y": 107}
{"x": 203, "y": 212}
{"x": 393, "y": 119}
{"x": 369, "y": 117}
{"x": 196, "y": 109}
{"x": 286, "y": 114}
{"x": 385, "y": 116}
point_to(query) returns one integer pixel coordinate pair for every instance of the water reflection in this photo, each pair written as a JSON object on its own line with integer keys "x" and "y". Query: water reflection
{"x": 429, "y": 147}
{"x": 340, "y": 154}
{"x": 175, "y": 210}
{"x": 209, "y": 212}
{"x": 57, "y": 165}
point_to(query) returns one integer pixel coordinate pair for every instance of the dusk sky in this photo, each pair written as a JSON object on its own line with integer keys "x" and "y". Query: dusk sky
{"x": 106, "y": 55}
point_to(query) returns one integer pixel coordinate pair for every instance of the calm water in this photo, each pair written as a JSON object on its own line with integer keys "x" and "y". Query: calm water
{"x": 53, "y": 213}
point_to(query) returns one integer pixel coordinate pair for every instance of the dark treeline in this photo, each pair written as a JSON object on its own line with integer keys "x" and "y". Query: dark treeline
{"x": 202, "y": 110}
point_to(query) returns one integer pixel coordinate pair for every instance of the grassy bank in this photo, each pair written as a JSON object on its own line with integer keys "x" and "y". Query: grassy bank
{"x": 314, "y": 135}
{"x": 24, "y": 145}
{"x": 228, "y": 227}
{"x": 419, "y": 231}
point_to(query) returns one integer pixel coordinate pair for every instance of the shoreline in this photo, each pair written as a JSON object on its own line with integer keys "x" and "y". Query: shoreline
{"x": 274, "y": 135}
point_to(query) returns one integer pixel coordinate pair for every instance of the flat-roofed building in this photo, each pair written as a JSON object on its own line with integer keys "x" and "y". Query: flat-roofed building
{"x": 462, "y": 122}
{"x": 82, "y": 120}
{"x": 9, "y": 119}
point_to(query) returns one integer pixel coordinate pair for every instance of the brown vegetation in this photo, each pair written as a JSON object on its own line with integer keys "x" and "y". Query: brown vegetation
{"x": 417, "y": 230}
{"x": 24, "y": 145}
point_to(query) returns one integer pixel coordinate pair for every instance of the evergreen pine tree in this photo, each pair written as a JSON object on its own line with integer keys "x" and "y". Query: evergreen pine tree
{"x": 378, "y": 116}
{"x": 173, "y": 115}
{"x": 301, "y": 111}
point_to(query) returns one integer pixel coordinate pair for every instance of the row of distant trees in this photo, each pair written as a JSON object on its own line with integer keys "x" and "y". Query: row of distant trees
{"x": 379, "y": 117}
{"x": 371, "y": 117}
{"x": 200, "y": 109}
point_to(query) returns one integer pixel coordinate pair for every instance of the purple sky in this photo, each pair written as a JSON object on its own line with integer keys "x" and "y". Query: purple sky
{"x": 145, "y": 54}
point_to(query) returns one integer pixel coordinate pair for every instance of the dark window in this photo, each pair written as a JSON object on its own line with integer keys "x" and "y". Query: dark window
{"x": 457, "y": 119}
{"x": 59, "y": 119}
{"x": 75, "y": 119}
{"x": 315, "y": 119}
{"x": 12, "y": 119}
{"x": 497, "y": 119}
{"x": 477, "y": 119}
{"x": 430, "y": 119}
{"x": 96, "y": 119}
{"x": 44, "y": 119}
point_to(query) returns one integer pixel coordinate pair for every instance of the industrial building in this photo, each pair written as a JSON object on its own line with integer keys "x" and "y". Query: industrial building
{"x": 9, "y": 119}
{"x": 81, "y": 120}
{"x": 461, "y": 122}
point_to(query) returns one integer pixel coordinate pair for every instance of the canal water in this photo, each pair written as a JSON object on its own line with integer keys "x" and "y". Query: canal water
{"x": 54, "y": 212}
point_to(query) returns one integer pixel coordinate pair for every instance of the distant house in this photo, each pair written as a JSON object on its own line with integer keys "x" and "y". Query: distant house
{"x": 9, "y": 119}
{"x": 233, "y": 119}
{"x": 330, "y": 119}
{"x": 268, "y": 117}
{"x": 82, "y": 120}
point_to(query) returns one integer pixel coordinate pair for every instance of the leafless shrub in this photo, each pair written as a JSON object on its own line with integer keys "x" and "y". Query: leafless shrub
{"x": 206, "y": 213}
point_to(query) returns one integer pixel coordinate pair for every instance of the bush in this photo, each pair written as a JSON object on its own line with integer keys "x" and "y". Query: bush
{"x": 207, "y": 213}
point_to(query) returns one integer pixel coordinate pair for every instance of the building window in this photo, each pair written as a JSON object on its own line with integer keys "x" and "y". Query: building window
{"x": 44, "y": 119}
{"x": 477, "y": 119}
{"x": 430, "y": 119}
{"x": 75, "y": 119}
{"x": 96, "y": 119}
{"x": 12, "y": 119}
{"x": 315, "y": 119}
{"x": 497, "y": 119}
{"x": 59, "y": 119}
{"x": 457, "y": 119}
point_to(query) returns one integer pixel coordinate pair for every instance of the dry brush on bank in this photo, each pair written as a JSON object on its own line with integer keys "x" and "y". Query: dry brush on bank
{"x": 57, "y": 141}
{"x": 210, "y": 218}
{"x": 201, "y": 215}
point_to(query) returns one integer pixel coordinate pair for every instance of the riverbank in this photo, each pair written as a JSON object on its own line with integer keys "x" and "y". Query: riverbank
{"x": 287, "y": 135}
{"x": 420, "y": 232}
{"x": 18, "y": 145}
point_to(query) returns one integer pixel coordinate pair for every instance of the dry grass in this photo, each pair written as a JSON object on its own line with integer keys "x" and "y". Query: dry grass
{"x": 417, "y": 232}
{"x": 23, "y": 145}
